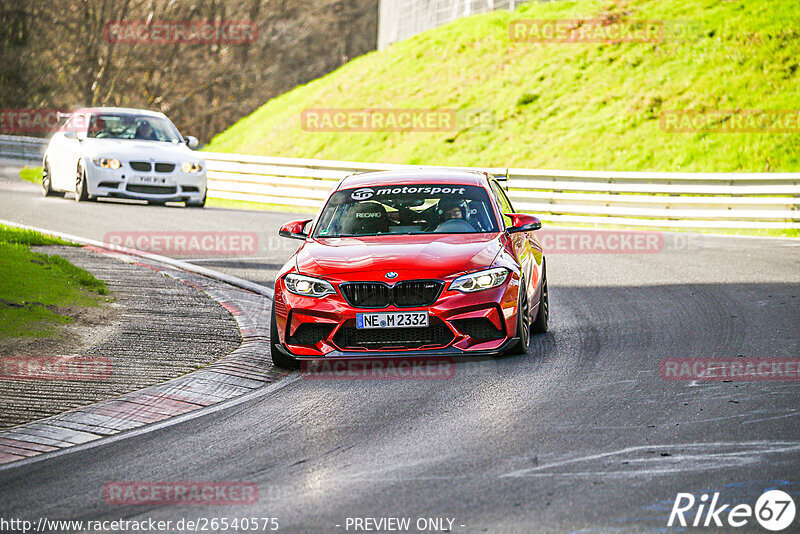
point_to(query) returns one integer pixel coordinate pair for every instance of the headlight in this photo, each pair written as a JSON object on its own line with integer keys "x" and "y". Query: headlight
{"x": 191, "y": 167}
{"x": 481, "y": 280}
{"x": 107, "y": 163}
{"x": 308, "y": 286}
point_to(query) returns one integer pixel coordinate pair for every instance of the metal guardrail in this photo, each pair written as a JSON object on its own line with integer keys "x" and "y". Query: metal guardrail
{"x": 27, "y": 149}
{"x": 654, "y": 199}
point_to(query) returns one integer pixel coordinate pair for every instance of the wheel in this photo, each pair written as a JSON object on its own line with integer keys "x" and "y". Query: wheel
{"x": 523, "y": 322}
{"x": 279, "y": 359}
{"x": 543, "y": 315}
{"x": 47, "y": 183}
{"x": 197, "y": 204}
{"x": 81, "y": 190}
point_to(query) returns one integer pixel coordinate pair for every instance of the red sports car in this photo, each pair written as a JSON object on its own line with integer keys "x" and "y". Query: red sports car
{"x": 411, "y": 263}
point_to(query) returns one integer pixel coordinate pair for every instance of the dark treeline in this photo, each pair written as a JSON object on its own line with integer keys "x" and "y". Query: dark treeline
{"x": 61, "y": 54}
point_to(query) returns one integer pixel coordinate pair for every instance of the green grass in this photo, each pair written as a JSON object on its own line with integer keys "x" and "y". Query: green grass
{"x": 22, "y": 236}
{"x": 560, "y": 106}
{"x": 31, "y": 174}
{"x": 34, "y": 288}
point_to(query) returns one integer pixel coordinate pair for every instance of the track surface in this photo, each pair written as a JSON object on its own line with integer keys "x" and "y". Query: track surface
{"x": 581, "y": 435}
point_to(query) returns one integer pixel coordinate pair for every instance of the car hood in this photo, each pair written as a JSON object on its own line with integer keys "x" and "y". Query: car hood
{"x": 133, "y": 150}
{"x": 412, "y": 257}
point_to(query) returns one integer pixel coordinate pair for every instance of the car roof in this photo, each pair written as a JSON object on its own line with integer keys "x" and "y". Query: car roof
{"x": 415, "y": 176}
{"x": 119, "y": 110}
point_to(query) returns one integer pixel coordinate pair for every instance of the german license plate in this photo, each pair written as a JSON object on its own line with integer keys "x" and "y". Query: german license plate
{"x": 154, "y": 180}
{"x": 414, "y": 319}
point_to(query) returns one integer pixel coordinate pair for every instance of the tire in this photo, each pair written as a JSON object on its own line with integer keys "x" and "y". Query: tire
{"x": 47, "y": 183}
{"x": 200, "y": 204}
{"x": 279, "y": 359}
{"x": 523, "y": 322}
{"x": 81, "y": 190}
{"x": 543, "y": 315}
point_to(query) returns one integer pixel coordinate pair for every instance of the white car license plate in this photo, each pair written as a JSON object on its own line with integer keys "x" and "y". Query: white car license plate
{"x": 414, "y": 319}
{"x": 154, "y": 180}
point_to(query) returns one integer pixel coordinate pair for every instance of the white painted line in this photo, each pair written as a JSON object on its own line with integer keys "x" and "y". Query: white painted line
{"x": 230, "y": 259}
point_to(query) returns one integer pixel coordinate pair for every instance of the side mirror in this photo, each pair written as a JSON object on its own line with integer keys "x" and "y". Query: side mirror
{"x": 70, "y": 135}
{"x": 522, "y": 222}
{"x": 191, "y": 142}
{"x": 294, "y": 229}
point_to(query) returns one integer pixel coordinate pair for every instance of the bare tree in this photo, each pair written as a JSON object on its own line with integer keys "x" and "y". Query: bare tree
{"x": 60, "y": 54}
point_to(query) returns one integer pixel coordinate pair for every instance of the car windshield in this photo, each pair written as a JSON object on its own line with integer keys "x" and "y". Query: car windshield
{"x": 132, "y": 126}
{"x": 407, "y": 209}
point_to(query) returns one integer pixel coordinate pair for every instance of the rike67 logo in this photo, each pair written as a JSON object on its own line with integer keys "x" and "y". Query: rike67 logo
{"x": 774, "y": 510}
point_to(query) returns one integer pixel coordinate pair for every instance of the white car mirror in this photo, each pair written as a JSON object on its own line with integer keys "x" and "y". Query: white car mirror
{"x": 191, "y": 142}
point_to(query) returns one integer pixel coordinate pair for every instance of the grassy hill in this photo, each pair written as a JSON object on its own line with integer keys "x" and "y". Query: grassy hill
{"x": 561, "y": 105}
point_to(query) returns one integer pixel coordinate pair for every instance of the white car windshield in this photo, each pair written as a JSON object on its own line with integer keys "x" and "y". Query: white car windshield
{"x": 407, "y": 209}
{"x": 132, "y": 126}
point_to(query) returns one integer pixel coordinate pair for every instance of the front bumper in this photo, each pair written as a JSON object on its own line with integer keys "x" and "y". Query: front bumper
{"x": 471, "y": 324}
{"x": 121, "y": 183}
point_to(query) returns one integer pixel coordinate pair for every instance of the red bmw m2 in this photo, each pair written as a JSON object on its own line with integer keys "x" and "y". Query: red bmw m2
{"x": 411, "y": 263}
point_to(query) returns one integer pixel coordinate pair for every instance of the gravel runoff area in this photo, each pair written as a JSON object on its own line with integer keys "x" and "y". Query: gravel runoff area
{"x": 172, "y": 322}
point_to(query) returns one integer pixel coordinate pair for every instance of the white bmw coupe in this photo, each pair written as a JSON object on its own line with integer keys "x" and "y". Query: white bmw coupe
{"x": 123, "y": 153}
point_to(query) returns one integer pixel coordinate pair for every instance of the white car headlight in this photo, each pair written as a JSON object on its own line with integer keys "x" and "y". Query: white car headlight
{"x": 479, "y": 281}
{"x": 307, "y": 286}
{"x": 191, "y": 167}
{"x": 107, "y": 163}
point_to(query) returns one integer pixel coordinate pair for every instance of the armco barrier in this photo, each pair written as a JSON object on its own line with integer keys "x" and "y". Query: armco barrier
{"x": 666, "y": 199}
{"x": 27, "y": 149}
{"x": 656, "y": 199}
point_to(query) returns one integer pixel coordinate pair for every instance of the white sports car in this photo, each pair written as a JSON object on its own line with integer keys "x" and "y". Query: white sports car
{"x": 123, "y": 153}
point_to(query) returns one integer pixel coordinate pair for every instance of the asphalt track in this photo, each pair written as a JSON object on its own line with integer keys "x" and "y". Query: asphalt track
{"x": 581, "y": 435}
